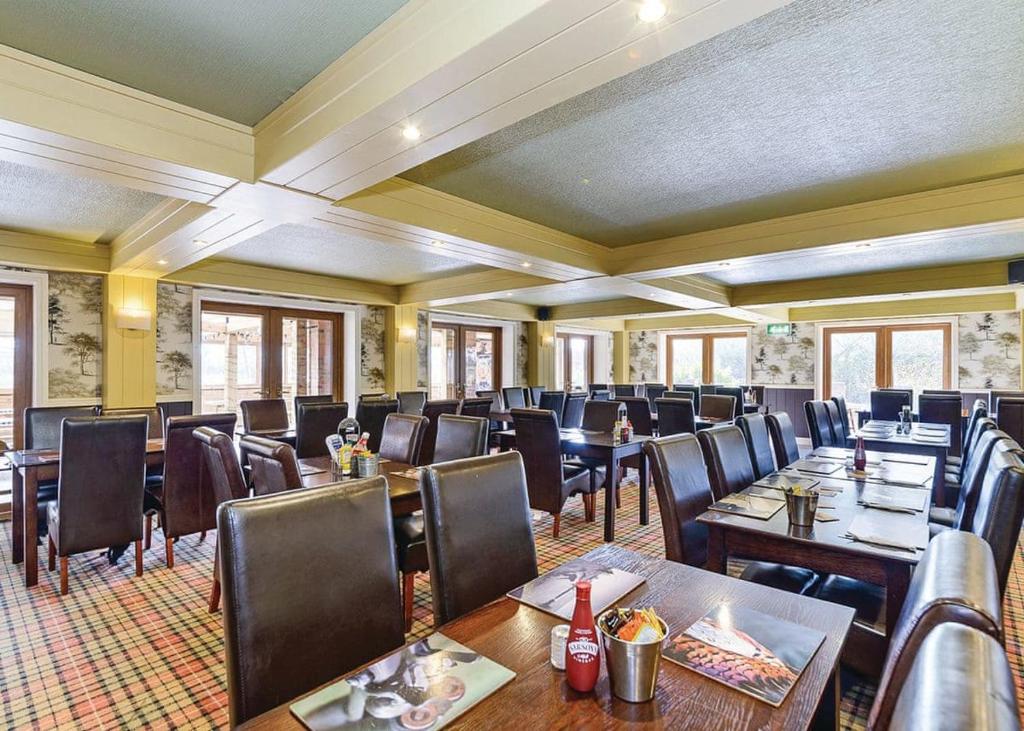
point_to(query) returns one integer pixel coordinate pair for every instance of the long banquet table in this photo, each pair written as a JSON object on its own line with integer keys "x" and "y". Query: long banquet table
{"x": 518, "y": 637}
{"x": 912, "y": 444}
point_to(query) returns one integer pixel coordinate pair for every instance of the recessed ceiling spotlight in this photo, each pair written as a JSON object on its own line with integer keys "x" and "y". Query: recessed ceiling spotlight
{"x": 585, "y": 181}
{"x": 526, "y": 265}
{"x": 653, "y": 294}
{"x": 651, "y": 11}
{"x": 199, "y": 242}
{"x": 865, "y": 245}
{"x": 411, "y": 132}
{"x": 436, "y": 244}
{"x": 725, "y": 263}
{"x": 162, "y": 262}
{"x": 508, "y": 294}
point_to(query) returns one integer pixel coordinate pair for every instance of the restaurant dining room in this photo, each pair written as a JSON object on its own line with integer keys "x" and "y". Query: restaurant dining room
{"x": 562, "y": 364}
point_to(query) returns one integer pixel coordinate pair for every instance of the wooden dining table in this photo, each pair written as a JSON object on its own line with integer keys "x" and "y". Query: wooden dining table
{"x": 29, "y": 467}
{"x": 404, "y": 491}
{"x": 518, "y": 636}
{"x": 600, "y": 446}
{"x": 912, "y": 444}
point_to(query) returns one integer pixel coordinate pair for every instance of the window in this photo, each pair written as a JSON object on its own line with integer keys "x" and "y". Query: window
{"x": 464, "y": 360}
{"x": 719, "y": 358}
{"x": 574, "y": 355}
{"x": 860, "y": 359}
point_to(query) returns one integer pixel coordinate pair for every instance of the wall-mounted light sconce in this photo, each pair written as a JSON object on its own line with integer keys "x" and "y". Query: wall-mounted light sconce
{"x": 129, "y": 319}
{"x": 548, "y": 341}
{"x": 407, "y": 335}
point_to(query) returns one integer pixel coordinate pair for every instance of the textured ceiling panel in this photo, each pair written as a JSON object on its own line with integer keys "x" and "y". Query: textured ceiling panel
{"x": 879, "y": 257}
{"x": 66, "y": 206}
{"x": 323, "y": 251}
{"x": 234, "y": 58}
{"x": 821, "y": 103}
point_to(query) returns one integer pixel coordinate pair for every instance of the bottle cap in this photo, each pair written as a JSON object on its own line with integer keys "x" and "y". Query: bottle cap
{"x": 583, "y": 589}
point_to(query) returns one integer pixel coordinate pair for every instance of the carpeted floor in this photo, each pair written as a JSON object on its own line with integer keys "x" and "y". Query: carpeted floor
{"x": 122, "y": 652}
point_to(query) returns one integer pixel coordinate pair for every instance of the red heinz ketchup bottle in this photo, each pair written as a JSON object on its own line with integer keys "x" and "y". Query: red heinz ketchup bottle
{"x": 582, "y": 653}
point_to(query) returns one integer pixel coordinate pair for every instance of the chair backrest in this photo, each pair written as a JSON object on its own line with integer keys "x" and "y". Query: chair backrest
{"x": 225, "y": 471}
{"x": 155, "y": 415}
{"x": 432, "y": 410}
{"x": 534, "y": 393}
{"x": 978, "y": 410}
{"x": 973, "y": 472}
{"x": 759, "y": 444}
{"x": 188, "y": 502}
{"x": 954, "y": 582}
{"x": 264, "y": 413}
{"x": 459, "y": 437}
{"x": 317, "y": 601}
{"x": 475, "y": 407}
{"x": 601, "y": 415}
{"x": 780, "y": 428}
{"x": 736, "y": 392}
{"x": 101, "y": 483}
{"x": 572, "y": 414}
{"x": 402, "y": 437}
{"x": 379, "y": 395}
{"x": 818, "y": 424}
{"x": 274, "y": 466}
{"x": 675, "y": 416}
{"x": 537, "y": 439}
{"x": 944, "y": 409}
{"x": 684, "y": 492}
{"x": 322, "y": 398}
{"x": 594, "y": 387}
{"x": 638, "y": 411}
{"x": 552, "y": 401}
{"x": 42, "y": 424}
{"x": 1000, "y": 509}
{"x": 371, "y": 413}
{"x": 844, "y": 414}
{"x": 314, "y": 422}
{"x": 623, "y": 389}
{"x": 653, "y": 392}
{"x": 411, "y": 402}
{"x": 727, "y": 459}
{"x": 960, "y": 679}
{"x": 515, "y": 397}
{"x": 601, "y": 395}
{"x": 474, "y": 558}
{"x": 718, "y": 406}
{"x": 694, "y": 392}
{"x": 835, "y": 421}
{"x": 995, "y": 396}
{"x": 887, "y": 404}
{"x": 1010, "y": 414}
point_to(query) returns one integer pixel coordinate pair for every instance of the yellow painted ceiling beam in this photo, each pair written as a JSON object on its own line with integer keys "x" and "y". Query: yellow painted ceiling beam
{"x": 45, "y": 252}
{"x": 916, "y": 307}
{"x": 680, "y": 322}
{"x": 623, "y": 307}
{"x": 491, "y": 308}
{"x": 472, "y": 287}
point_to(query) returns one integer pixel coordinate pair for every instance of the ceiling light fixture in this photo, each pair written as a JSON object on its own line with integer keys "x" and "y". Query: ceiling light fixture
{"x": 199, "y": 242}
{"x": 436, "y": 244}
{"x": 526, "y": 265}
{"x": 162, "y": 262}
{"x": 508, "y": 294}
{"x": 865, "y": 245}
{"x": 725, "y": 263}
{"x": 651, "y": 11}
{"x": 411, "y": 132}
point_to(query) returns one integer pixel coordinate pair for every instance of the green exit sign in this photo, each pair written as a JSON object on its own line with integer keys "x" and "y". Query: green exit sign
{"x": 780, "y": 328}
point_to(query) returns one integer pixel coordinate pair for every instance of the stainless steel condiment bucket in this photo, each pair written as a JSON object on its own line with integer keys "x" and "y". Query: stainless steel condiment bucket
{"x": 801, "y": 508}
{"x": 632, "y": 666}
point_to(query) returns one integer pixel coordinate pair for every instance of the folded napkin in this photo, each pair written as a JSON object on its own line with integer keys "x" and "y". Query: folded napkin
{"x": 883, "y": 505}
{"x": 882, "y": 541}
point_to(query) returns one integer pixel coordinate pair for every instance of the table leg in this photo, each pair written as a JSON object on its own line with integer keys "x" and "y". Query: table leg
{"x": 939, "y": 479}
{"x": 611, "y": 484}
{"x": 645, "y": 518}
{"x": 29, "y": 505}
{"x": 897, "y": 584}
{"x": 17, "y": 518}
{"x": 837, "y": 693}
{"x": 716, "y": 550}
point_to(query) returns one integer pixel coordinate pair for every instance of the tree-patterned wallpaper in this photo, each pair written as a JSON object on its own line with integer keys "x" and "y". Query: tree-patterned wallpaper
{"x": 643, "y": 356}
{"x": 778, "y": 360}
{"x": 371, "y": 348}
{"x": 174, "y": 342}
{"x": 75, "y": 335}
{"x": 989, "y": 350}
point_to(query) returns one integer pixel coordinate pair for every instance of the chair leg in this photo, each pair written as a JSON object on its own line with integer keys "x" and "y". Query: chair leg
{"x": 138, "y": 558}
{"x": 63, "y": 575}
{"x": 51, "y": 564}
{"x": 215, "y": 596}
{"x": 588, "y": 507}
{"x": 169, "y": 552}
{"x": 618, "y": 498}
{"x": 149, "y": 530}
{"x": 202, "y": 536}
{"x": 408, "y": 580}
{"x": 557, "y": 525}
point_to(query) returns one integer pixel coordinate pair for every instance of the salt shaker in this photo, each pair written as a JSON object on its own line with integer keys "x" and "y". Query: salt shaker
{"x": 559, "y": 636}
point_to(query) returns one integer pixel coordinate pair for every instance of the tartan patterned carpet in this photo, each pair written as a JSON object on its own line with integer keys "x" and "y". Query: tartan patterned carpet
{"x": 121, "y": 652}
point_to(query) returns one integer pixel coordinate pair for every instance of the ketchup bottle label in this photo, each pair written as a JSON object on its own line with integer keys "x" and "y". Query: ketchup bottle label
{"x": 582, "y": 652}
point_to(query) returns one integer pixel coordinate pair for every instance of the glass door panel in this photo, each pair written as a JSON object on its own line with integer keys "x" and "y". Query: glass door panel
{"x": 232, "y": 361}
{"x": 852, "y": 358}
{"x": 479, "y": 350}
{"x": 463, "y": 360}
{"x": 686, "y": 360}
{"x": 560, "y": 361}
{"x": 729, "y": 361}
{"x": 307, "y": 358}
{"x": 580, "y": 362}
{"x": 443, "y": 363}
{"x": 917, "y": 359}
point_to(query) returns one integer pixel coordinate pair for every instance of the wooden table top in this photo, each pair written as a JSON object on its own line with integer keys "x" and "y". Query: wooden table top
{"x": 600, "y": 439}
{"x": 41, "y": 457}
{"x": 907, "y": 439}
{"x": 518, "y": 637}
{"x": 316, "y": 471}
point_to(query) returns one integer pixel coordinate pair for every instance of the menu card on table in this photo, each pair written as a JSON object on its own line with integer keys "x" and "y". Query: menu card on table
{"x": 427, "y": 684}
{"x": 783, "y": 481}
{"x": 889, "y": 530}
{"x": 893, "y": 473}
{"x": 816, "y": 467}
{"x": 555, "y": 591}
{"x": 757, "y": 654}
{"x": 749, "y": 506}
{"x": 894, "y": 498}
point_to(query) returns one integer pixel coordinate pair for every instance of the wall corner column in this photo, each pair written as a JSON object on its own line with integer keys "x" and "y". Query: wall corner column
{"x": 400, "y": 351}
{"x": 129, "y": 356}
{"x": 620, "y": 356}
{"x": 540, "y": 364}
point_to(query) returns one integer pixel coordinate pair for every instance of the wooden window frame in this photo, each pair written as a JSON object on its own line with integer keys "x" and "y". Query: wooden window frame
{"x": 23, "y": 356}
{"x": 707, "y": 369}
{"x": 567, "y": 357}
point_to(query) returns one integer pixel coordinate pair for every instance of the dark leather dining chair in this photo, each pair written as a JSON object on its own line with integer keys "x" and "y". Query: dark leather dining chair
{"x": 187, "y": 502}
{"x": 653, "y": 392}
{"x": 475, "y": 559}
{"x": 553, "y": 401}
{"x": 835, "y": 420}
{"x": 432, "y": 410}
{"x": 886, "y": 405}
{"x": 979, "y": 410}
{"x": 101, "y": 485}
{"x": 623, "y": 389}
{"x": 638, "y": 411}
{"x": 819, "y": 425}
{"x": 759, "y": 444}
{"x": 459, "y": 437}
{"x": 550, "y": 482}
{"x": 154, "y": 473}
{"x": 323, "y": 398}
{"x": 534, "y": 393}
{"x": 371, "y": 413}
{"x": 411, "y": 402}
{"x": 264, "y": 414}
{"x": 944, "y": 409}
{"x": 960, "y": 679}
{"x": 727, "y": 459}
{"x": 1000, "y": 508}
{"x": 402, "y": 439}
{"x": 955, "y": 581}
{"x": 780, "y": 429}
{"x": 314, "y": 422}
{"x": 961, "y": 515}
{"x": 601, "y": 415}
{"x": 593, "y": 388}
{"x": 305, "y": 602}
{"x": 572, "y": 413}
{"x": 42, "y": 431}
{"x": 475, "y": 407}
{"x": 844, "y": 414}
{"x": 374, "y": 396}
{"x": 675, "y": 416}
{"x": 601, "y": 395}
{"x": 515, "y": 397}
{"x": 736, "y": 392}
{"x": 684, "y": 493}
{"x": 153, "y": 414}
{"x": 274, "y": 465}
{"x": 679, "y": 389}
{"x": 228, "y": 484}
{"x": 717, "y": 406}
{"x": 1010, "y": 415}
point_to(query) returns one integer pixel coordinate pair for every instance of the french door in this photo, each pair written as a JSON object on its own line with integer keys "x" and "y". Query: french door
{"x": 464, "y": 359}
{"x": 574, "y": 361}
{"x": 251, "y": 352}
{"x": 15, "y": 361}
{"x": 719, "y": 358}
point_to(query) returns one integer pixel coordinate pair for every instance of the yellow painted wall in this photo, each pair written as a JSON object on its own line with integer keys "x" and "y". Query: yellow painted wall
{"x": 540, "y": 364}
{"x": 400, "y": 353}
{"x": 620, "y": 356}
{"x": 129, "y": 356}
